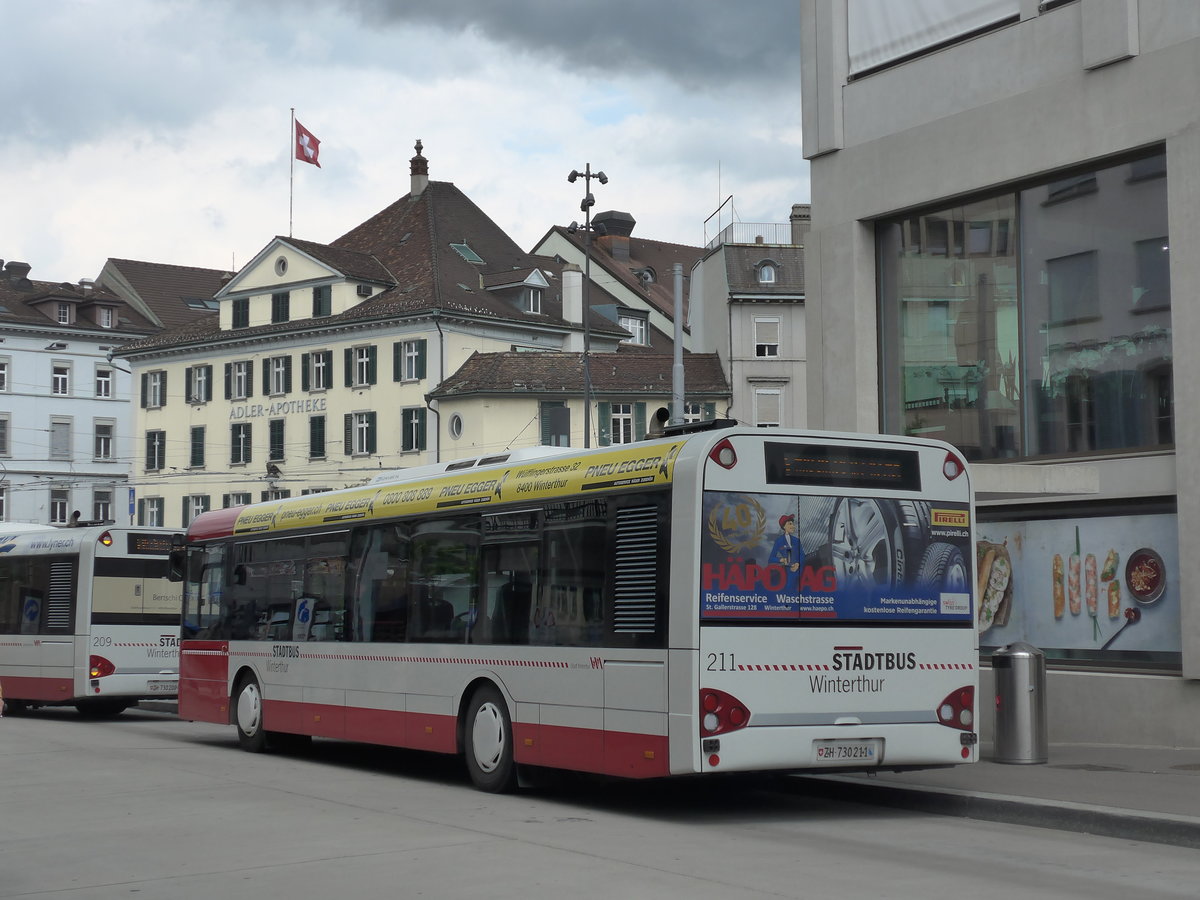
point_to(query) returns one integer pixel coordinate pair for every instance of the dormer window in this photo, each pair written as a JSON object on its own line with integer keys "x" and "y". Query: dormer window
{"x": 635, "y": 324}
{"x": 531, "y": 299}
{"x": 766, "y": 272}
{"x": 105, "y": 317}
{"x": 64, "y": 313}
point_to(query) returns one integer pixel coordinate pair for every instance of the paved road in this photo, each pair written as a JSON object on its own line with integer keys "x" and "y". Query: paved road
{"x": 149, "y": 806}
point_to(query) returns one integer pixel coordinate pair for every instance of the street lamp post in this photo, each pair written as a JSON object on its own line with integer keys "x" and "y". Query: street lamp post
{"x": 586, "y": 208}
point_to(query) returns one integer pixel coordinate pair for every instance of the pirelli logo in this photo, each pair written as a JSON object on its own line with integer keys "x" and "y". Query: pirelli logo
{"x": 950, "y": 518}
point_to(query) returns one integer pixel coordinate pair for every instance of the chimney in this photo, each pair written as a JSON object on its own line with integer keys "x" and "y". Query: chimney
{"x": 613, "y": 229}
{"x": 572, "y": 294}
{"x": 16, "y": 272}
{"x": 419, "y": 172}
{"x": 801, "y": 220}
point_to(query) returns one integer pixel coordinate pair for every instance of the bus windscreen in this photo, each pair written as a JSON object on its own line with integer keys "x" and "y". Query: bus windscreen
{"x": 822, "y": 465}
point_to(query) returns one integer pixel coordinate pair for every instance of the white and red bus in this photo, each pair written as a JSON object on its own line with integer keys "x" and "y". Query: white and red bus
{"x": 715, "y": 600}
{"x": 88, "y": 617}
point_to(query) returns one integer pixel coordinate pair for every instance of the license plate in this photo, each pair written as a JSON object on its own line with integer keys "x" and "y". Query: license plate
{"x": 161, "y": 687}
{"x": 847, "y": 752}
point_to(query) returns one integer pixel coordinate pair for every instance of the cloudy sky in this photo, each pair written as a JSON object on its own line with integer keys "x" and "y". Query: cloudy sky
{"x": 160, "y": 129}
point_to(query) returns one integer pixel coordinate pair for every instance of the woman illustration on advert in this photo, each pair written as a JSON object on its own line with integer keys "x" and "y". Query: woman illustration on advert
{"x": 788, "y": 553}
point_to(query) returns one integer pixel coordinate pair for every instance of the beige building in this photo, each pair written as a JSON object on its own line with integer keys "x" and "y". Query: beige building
{"x": 321, "y": 368}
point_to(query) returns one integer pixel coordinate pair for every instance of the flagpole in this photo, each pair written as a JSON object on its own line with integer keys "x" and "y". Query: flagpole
{"x": 292, "y": 170}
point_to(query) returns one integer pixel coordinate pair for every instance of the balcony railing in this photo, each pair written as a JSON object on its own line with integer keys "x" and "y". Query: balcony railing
{"x": 752, "y": 233}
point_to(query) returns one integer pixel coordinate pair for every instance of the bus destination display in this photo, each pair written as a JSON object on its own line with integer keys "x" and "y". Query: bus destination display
{"x": 821, "y": 465}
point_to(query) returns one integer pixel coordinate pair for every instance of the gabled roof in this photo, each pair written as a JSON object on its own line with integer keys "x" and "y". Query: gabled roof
{"x": 165, "y": 294}
{"x": 351, "y": 263}
{"x": 658, "y": 256}
{"x": 613, "y": 374}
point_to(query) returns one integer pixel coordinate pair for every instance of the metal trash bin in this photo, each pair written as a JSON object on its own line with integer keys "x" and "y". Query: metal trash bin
{"x": 1020, "y": 732}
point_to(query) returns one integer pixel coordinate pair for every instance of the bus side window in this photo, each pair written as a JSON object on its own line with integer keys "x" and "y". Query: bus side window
{"x": 378, "y": 583}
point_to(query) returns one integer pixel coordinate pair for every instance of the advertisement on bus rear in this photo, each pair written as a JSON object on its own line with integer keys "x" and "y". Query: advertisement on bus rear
{"x": 834, "y": 559}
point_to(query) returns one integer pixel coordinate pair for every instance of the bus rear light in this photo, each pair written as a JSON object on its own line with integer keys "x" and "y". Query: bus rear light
{"x": 106, "y": 539}
{"x": 958, "y": 709}
{"x": 721, "y": 712}
{"x": 98, "y": 666}
{"x": 723, "y": 454}
{"x": 952, "y": 467}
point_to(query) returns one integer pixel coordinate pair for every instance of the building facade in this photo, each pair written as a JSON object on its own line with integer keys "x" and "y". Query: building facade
{"x": 1006, "y": 210}
{"x": 748, "y": 293}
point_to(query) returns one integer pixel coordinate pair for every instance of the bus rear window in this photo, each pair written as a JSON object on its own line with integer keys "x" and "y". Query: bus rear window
{"x": 823, "y": 465}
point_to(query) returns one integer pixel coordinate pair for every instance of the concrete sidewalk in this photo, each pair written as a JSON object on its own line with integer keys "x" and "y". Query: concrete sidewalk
{"x": 1135, "y": 793}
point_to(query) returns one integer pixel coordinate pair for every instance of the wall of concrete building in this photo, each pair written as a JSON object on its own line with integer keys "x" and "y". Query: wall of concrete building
{"x": 1072, "y": 85}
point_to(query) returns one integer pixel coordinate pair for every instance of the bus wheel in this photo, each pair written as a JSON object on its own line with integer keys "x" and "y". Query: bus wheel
{"x": 487, "y": 737}
{"x": 102, "y": 709}
{"x": 248, "y": 715}
{"x": 944, "y": 567}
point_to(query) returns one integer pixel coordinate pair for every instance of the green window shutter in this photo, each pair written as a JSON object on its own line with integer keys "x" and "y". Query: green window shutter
{"x": 287, "y": 374}
{"x": 316, "y": 437}
{"x": 304, "y": 358}
{"x": 544, "y": 422}
{"x": 187, "y": 509}
{"x": 371, "y": 365}
{"x": 141, "y": 512}
{"x": 349, "y": 367}
{"x": 208, "y": 379}
{"x": 348, "y": 420}
{"x": 604, "y": 423}
{"x": 224, "y": 501}
{"x": 250, "y": 378}
{"x": 189, "y": 385}
{"x": 145, "y": 388}
{"x": 266, "y": 376}
{"x": 639, "y": 421}
{"x": 162, "y": 400}
{"x": 398, "y": 361}
{"x": 421, "y": 345}
{"x": 371, "y": 432}
{"x": 421, "y": 417}
{"x": 228, "y": 381}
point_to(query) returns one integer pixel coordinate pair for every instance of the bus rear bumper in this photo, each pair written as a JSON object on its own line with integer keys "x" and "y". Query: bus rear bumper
{"x": 837, "y": 748}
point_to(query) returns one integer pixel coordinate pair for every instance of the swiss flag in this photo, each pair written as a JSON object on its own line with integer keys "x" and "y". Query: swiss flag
{"x": 308, "y": 148}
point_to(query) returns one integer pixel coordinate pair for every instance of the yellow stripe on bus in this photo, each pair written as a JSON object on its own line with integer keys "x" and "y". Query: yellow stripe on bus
{"x": 637, "y": 466}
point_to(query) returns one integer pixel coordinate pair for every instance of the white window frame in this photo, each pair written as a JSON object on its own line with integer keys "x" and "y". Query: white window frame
{"x": 154, "y": 389}
{"x": 763, "y": 399}
{"x": 320, "y": 371}
{"x": 636, "y": 326}
{"x": 5, "y": 364}
{"x": 621, "y": 422}
{"x": 240, "y": 498}
{"x": 240, "y": 451}
{"x": 102, "y": 504}
{"x": 764, "y": 348}
{"x": 412, "y": 359}
{"x": 60, "y": 379}
{"x": 239, "y": 380}
{"x": 201, "y": 389}
{"x": 103, "y": 445}
{"x": 5, "y": 435}
{"x": 693, "y": 411}
{"x": 362, "y": 366}
{"x": 766, "y": 273}
{"x": 104, "y": 383}
{"x": 4, "y": 502}
{"x": 60, "y": 505}
{"x": 64, "y": 313}
{"x": 531, "y": 299}
{"x": 160, "y": 450}
{"x": 106, "y": 317}
{"x": 278, "y": 375}
{"x": 360, "y": 434}
{"x": 153, "y": 510}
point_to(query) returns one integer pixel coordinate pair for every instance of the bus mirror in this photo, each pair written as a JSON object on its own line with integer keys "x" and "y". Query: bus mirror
{"x": 176, "y": 563}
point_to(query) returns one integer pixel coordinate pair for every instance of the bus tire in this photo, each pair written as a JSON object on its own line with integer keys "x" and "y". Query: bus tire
{"x": 248, "y": 715}
{"x": 943, "y": 567}
{"x": 102, "y": 709}
{"x": 487, "y": 741}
